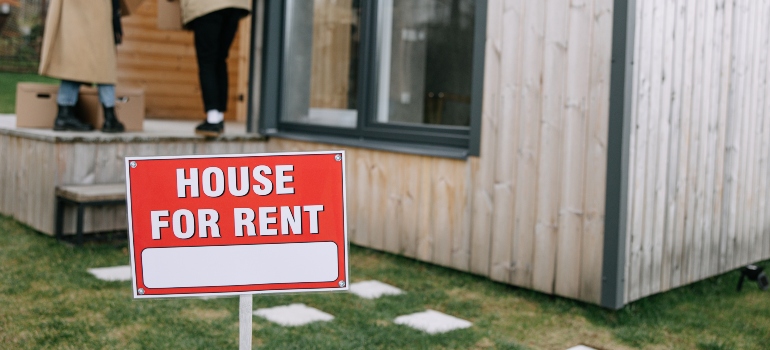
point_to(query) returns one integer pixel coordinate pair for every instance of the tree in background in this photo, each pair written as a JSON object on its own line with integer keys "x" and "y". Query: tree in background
{"x": 21, "y": 34}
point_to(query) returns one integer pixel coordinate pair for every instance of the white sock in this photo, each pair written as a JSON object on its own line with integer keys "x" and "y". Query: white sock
{"x": 214, "y": 116}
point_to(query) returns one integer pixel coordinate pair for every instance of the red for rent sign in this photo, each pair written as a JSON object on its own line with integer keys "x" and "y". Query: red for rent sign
{"x": 237, "y": 224}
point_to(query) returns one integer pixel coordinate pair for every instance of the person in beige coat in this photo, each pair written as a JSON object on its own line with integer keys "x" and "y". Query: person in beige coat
{"x": 79, "y": 47}
{"x": 214, "y": 23}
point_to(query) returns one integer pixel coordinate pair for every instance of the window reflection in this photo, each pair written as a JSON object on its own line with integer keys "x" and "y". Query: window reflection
{"x": 321, "y": 62}
{"x": 425, "y": 53}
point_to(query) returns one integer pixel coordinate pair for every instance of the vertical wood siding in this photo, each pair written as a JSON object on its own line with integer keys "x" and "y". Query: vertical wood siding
{"x": 700, "y": 142}
{"x": 163, "y": 63}
{"x": 530, "y": 210}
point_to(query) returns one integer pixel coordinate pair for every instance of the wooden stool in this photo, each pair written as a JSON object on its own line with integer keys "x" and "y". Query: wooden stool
{"x": 84, "y": 196}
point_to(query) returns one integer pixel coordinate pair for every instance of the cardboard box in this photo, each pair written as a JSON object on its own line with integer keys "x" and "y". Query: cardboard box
{"x": 169, "y": 15}
{"x": 129, "y": 7}
{"x": 129, "y": 107}
{"x": 36, "y": 105}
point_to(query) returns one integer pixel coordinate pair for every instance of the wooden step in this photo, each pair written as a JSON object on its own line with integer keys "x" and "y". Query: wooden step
{"x": 92, "y": 193}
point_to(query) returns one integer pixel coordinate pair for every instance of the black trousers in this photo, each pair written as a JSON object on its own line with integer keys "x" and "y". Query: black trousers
{"x": 214, "y": 33}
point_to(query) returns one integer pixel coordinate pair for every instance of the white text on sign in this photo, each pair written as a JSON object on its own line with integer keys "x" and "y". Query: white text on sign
{"x": 213, "y": 182}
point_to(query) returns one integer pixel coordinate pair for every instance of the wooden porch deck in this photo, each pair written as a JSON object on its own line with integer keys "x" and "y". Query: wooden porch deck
{"x": 35, "y": 161}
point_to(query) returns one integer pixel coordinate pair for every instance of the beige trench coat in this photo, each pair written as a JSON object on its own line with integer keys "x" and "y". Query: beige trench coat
{"x": 78, "y": 42}
{"x": 192, "y": 9}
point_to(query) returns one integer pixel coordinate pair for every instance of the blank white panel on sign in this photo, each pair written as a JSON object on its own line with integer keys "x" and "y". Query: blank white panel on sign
{"x": 215, "y": 266}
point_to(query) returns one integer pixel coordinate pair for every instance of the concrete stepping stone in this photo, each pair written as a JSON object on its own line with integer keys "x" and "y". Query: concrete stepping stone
{"x": 293, "y": 315}
{"x": 581, "y": 347}
{"x": 373, "y": 289}
{"x": 432, "y": 322}
{"x": 115, "y": 273}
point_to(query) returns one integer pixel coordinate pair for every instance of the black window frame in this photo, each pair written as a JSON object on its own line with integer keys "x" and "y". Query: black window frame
{"x": 433, "y": 140}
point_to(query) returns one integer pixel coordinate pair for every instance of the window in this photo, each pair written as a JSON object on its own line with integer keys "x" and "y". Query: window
{"x": 395, "y": 74}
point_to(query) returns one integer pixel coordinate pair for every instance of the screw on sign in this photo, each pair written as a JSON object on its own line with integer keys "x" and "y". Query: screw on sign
{"x": 237, "y": 224}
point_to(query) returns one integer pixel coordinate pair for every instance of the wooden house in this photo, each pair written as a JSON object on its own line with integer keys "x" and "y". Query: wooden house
{"x": 599, "y": 150}
{"x": 615, "y": 149}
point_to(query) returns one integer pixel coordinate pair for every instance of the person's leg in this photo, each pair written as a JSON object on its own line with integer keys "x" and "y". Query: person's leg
{"x": 107, "y": 94}
{"x": 229, "y": 28}
{"x": 66, "y": 100}
{"x": 68, "y": 93}
{"x": 206, "y": 31}
{"x": 107, "y": 98}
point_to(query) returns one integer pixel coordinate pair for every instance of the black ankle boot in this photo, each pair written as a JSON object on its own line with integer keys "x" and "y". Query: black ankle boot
{"x": 111, "y": 122}
{"x": 210, "y": 129}
{"x": 66, "y": 120}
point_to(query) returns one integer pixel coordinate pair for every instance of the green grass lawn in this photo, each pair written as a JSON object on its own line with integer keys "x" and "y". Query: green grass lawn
{"x": 49, "y": 301}
{"x": 8, "y": 88}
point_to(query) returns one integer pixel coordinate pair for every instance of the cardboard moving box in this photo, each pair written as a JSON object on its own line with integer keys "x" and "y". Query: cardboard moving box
{"x": 129, "y": 7}
{"x": 36, "y": 106}
{"x": 169, "y": 15}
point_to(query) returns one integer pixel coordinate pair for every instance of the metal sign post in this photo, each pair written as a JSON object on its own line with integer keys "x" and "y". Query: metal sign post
{"x": 245, "y": 316}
